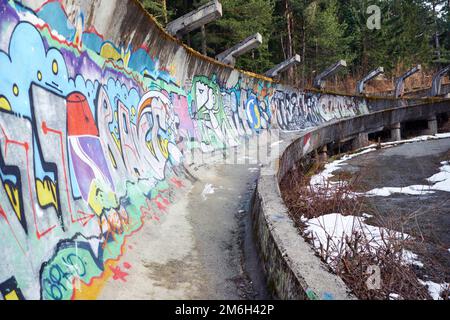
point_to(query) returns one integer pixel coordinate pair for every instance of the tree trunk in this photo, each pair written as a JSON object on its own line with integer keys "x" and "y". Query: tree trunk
{"x": 289, "y": 44}
{"x": 164, "y": 6}
{"x": 303, "y": 53}
{"x": 436, "y": 35}
{"x": 203, "y": 29}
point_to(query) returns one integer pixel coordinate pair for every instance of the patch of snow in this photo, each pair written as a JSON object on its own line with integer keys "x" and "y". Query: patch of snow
{"x": 330, "y": 232}
{"x": 443, "y": 135}
{"x": 411, "y": 258}
{"x": 367, "y": 216}
{"x": 394, "y": 296}
{"x": 435, "y": 289}
{"x": 418, "y": 139}
{"x": 442, "y": 179}
{"x": 416, "y": 190}
{"x": 209, "y": 189}
{"x": 321, "y": 180}
{"x": 441, "y": 182}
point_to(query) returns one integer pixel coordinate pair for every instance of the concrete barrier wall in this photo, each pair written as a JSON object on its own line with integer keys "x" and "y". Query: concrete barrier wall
{"x": 292, "y": 268}
{"x": 97, "y": 106}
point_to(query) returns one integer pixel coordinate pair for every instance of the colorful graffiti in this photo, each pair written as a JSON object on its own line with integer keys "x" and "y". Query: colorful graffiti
{"x": 90, "y": 135}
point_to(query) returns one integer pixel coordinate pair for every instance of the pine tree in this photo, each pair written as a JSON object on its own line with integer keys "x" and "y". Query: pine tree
{"x": 241, "y": 19}
{"x": 326, "y": 42}
{"x": 157, "y": 8}
{"x": 322, "y": 32}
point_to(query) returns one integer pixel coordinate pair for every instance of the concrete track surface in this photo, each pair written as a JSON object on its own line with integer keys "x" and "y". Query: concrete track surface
{"x": 204, "y": 248}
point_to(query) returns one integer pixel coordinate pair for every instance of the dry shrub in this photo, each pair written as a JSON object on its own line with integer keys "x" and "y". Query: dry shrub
{"x": 347, "y": 84}
{"x": 310, "y": 202}
{"x": 352, "y": 257}
{"x": 358, "y": 253}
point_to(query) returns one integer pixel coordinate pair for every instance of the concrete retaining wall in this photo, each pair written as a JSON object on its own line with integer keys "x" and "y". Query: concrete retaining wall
{"x": 292, "y": 268}
{"x": 98, "y": 105}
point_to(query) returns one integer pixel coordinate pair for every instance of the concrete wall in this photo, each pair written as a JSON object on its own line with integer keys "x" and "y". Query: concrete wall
{"x": 97, "y": 106}
{"x": 292, "y": 268}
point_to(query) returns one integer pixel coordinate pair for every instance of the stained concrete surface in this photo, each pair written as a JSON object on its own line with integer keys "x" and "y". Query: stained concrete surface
{"x": 201, "y": 250}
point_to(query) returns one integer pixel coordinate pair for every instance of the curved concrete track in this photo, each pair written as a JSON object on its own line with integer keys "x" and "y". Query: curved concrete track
{"x": 205, "y": 249}
{"x": 100, "y": 112}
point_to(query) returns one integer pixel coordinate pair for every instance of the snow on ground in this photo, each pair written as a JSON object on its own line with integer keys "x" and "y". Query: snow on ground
{"x": 435, "y": 289}
{"x": 419, "y": 139}
{"x": 331, "y": 231}
{"x": 411, "y": 258}
{"x": 322, "y": 180}
{"x": 441, "y": 180}
{"x": 416, "y": 190}
{"x": 441, "y": 183}
{"x": 394, "y": 296}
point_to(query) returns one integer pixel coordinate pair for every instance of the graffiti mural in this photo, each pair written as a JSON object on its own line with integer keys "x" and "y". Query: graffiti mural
{"x": 300, "y": 110}
{"x": 91, "y": 135}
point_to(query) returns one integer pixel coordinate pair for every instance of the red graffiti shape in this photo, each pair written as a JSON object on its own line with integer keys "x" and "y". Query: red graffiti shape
{"x": 178, "y": 183}
{"x": 118, "y": 274}
{"x": 126, "y": 265}
{"x": 161, "y": 206}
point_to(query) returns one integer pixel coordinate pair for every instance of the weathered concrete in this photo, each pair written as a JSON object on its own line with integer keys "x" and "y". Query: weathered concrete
{"x": 285, "y": 65}
{"x": 396, "y": 132}
{"x": 373, "y": 74}
{"x": 193, "y": 20}
{"x": 400, "y": 83}
{"x": 292, "y": 273}
{"x": 229, "y": 56}
{"x": 432, "y": 126}
{"x": 436, "y": 87}
{"x": 100, "y": 112}
{"x": 199, "y": 251}
{"x": 319, "y": 81}
{"x": 361, "y": 141}
{"x": 323, "y": 154}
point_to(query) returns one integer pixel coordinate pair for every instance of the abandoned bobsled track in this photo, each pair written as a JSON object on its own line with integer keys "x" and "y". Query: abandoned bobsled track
{"x": 129, "y": 162}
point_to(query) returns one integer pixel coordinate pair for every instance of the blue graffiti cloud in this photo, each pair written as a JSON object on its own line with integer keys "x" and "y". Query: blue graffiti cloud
{"x": 27, "y": 63}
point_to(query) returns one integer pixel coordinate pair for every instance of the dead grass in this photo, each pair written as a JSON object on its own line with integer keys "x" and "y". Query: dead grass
{"x": 306, "y": 201}
{"x": 421, "y": 80}
{"x": 354, "y": 255}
